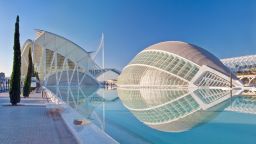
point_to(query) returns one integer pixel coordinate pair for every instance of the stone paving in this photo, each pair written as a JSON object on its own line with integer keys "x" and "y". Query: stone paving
{"x": 31, "y": 123}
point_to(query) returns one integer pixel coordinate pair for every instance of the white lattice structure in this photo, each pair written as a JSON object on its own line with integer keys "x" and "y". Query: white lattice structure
{"x": 60, "y": 61}
{"x": 242, "y": 66}
{"x": 243, "y": 63}
{"x": 176, "y": 64}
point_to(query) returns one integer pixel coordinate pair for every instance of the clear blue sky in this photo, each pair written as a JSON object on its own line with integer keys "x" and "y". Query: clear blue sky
{"x": 227, "y": 28}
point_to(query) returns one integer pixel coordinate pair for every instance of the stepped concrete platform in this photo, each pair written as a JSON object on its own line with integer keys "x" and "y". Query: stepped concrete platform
{"x": 31, "y": 123}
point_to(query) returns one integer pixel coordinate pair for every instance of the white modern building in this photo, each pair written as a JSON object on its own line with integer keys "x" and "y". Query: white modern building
{"x": 60, "y": 61}
{"x": 176, "y": 64}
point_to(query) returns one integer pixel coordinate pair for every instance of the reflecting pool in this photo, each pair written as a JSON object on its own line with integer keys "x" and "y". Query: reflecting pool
{"x": 167, "y": 116}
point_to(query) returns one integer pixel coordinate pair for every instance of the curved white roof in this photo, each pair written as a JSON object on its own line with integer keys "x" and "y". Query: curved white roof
{"x": 40, "y": 32}
{"x": 53, "y": 53}
{"x": 193, "y": 53}
{"x": 63, "y": 46}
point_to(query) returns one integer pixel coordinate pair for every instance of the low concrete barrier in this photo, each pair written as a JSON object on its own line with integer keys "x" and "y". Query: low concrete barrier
{"x": 83, "y": 130}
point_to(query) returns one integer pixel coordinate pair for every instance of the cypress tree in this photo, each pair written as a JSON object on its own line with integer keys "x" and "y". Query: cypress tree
{"x": 27, "y": 83}
{"x": 16, "y": 73}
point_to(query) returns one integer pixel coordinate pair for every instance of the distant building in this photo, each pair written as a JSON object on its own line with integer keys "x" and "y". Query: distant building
{"x": 176, "y": 64}
{"x": 2, "y": 82}
{"x": 2, "y": 77}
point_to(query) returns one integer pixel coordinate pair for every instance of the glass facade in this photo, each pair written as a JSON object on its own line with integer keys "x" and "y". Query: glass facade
{"x": 167, "y": 62}
{"x": 211, "y": 79}
{"x": 157, "y": 68}
{"x": 148, "y": 76}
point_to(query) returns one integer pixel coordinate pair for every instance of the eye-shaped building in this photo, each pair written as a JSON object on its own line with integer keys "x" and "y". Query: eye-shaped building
{"x": 176, "y": 64}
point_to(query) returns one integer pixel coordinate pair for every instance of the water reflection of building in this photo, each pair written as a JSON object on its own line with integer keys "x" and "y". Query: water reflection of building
{"x": 173, "y": 110}
{"x": 85, "y": 99}
{"x": 76, "y": 96}
{"x": 176, "y": 64}
{"x": 243, "y": 104}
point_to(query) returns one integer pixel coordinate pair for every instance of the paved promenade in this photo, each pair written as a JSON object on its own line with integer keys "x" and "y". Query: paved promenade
{"x": 31, "y": 123}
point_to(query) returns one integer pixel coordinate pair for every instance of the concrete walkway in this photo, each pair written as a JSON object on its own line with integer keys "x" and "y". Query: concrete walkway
{"x": 31, "y": 123}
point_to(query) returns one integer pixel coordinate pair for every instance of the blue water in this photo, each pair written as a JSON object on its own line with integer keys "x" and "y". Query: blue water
{"x": 225, "y": 127}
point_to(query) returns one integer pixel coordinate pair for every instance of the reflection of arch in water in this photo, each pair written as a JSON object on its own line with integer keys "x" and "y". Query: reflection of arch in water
{"x": 84, "y": 99}
{"x": 173, "y": 110}
{"x": 73, "y": 95}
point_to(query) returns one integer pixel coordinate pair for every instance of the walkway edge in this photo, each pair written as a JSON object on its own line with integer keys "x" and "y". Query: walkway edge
{"x": 85, "y": 134}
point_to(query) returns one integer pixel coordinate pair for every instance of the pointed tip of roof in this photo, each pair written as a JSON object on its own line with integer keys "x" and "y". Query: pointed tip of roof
{"x": 39, "y": 32}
